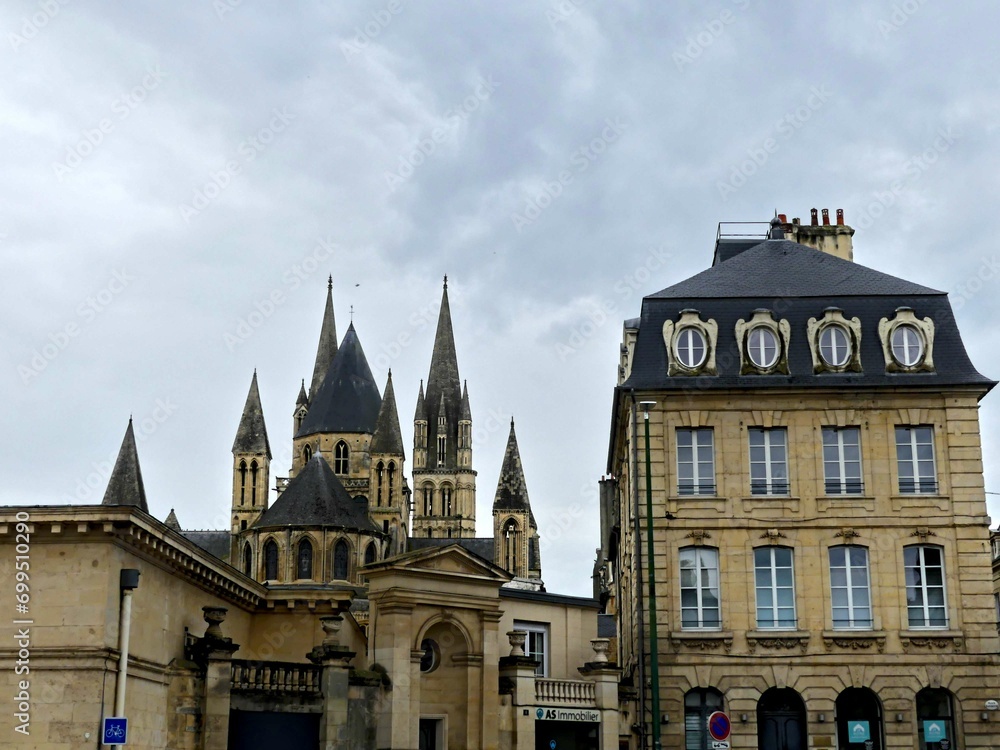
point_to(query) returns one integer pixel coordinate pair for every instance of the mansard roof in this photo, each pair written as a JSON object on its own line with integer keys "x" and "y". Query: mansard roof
{"x": 327, "y": 348}
{"x": 316, "y": 497}
{"x": 251, "y": 435}
{"x": 125, "y": 485}
{"x": 388, "y": 438}
{"x": 348, "y": 400}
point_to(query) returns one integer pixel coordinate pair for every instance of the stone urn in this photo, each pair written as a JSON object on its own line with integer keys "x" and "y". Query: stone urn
{"x": 517, "y": 639}
{"x": 331, "y": 625}
{"x": 600, "y": 646}
{"x": 214, "y": 616}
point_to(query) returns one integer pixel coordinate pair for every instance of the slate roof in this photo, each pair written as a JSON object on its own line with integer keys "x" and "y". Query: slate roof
{"x": 327, "y": 348}
{"x": 251, "y": 435}
{"x": 444, "y": 387}
{"x": 797, "y": 283}
{"x": 480, "y": 546}
{"x": 388, "y": 438}
{"x": 512, "y": 490}
{"x": 348, "y": 400}
{"x": 125, "y": 484}
{"x": 316, "y": 497}
{"x": 213, "y": 542}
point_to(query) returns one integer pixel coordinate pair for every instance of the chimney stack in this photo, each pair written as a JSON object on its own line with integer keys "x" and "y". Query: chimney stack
{"x": 834, "y": 239}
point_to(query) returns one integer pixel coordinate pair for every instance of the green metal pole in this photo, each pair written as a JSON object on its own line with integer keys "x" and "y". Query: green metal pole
{"x": 654, "y": 652}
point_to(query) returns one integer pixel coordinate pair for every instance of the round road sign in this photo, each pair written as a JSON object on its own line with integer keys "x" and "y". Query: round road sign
{"x": 719, "y": 726}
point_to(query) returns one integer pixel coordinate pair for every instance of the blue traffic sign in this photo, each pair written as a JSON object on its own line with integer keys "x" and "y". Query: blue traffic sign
{"x": 115, "y": 730}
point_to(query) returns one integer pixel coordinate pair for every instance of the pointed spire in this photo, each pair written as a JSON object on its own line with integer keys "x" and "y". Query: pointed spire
{"x": 512, "y": 490}
{"x": 443, "y": 409}
{"x": 388, "y": 438}
{"x": 420, "y": 404}
{"x": 444, "y": 386}
{"x": 251, "y": 436}
{"x": 327, "y": 348}
{"x": 303, "y": 398}
{"x": 172, "y": 521}
{"x": 125, "y": 485}
{"x": 466, "y": 413}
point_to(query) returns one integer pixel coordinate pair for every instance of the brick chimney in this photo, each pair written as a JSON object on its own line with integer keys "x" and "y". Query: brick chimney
{"x": 834, "y": 239}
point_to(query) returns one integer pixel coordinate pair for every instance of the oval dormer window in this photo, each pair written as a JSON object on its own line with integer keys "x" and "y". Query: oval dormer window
{"x": 907, "y": 345}
{"x": 835, "y": 345}
{"x": 762, "y": 346}
{"x": 691, "y": 348}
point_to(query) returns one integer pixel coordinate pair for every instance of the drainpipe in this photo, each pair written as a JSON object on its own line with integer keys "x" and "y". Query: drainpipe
{"x": 128, "y": 582}
{"x": 654, "y": 652}
{"x": 637, "y": 582}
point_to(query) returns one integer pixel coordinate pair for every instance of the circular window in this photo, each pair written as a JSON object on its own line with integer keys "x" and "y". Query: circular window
{"x": 690, "y": 348}
{"x": 834, "y": 345}
{"x": 907, "y": 345}
{"x": 431, "y": 657}
{"x": 762, "y": 346}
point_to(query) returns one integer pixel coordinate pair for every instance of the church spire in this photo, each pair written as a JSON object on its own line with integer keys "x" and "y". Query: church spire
{"x": 327, "y": 348}
{"x": 251, "y": 436}
{"x": 444, "y": 387}
{"x": 512, "y": 490}
{"x": 125, "y": 485}
{"x": 388, "y": 438}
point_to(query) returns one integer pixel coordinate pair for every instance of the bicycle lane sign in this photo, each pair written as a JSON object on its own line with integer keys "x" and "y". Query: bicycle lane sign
{"x": 115, "y": 730}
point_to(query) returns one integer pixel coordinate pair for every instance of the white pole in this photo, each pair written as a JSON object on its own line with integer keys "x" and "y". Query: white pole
{"x": 123, "y": 634}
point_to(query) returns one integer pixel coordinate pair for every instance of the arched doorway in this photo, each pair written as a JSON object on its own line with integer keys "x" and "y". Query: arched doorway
{"x": 935, "y": 719}
{"x": 859, "y": 720}
{"x": 781, "y": 720}
{"x": 699, "y": 704}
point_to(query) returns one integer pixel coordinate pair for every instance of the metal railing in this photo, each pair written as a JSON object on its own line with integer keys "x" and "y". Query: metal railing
{"x": 277, "y": 678}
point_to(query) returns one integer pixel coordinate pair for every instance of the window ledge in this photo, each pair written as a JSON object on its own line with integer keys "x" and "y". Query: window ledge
{"x": 701, "y": 640}
{"x": 846, "y": 496}
{"x": 854, "y": 639}
{"x": 931, "y": 639}
{"x": 777, "y": 639}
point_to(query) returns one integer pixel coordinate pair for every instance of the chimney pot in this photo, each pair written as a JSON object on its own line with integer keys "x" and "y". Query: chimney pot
{"x": 840, "y": 217}
{"x": 814, "y": 214}
{"x": 826, "y": 217}
{"x": 796, "y": 221}
{"x": 782, "y": 218}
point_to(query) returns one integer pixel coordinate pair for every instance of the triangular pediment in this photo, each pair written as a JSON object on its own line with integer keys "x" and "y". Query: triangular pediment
{"x": 452, "y": 559}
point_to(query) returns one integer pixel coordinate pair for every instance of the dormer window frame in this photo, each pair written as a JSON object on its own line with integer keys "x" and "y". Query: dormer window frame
{"x": 905, "y": 324}
{"x": 817, "y": 329}
{"x": 763, "y": 321}
{"x": 677, "y": 338}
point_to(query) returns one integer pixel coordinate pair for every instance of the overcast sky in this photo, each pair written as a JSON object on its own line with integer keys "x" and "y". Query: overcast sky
{"x": 180, "y": 178}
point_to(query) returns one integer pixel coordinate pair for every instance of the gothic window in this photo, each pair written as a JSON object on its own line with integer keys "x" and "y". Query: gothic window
{"x": 442, "y": 443}
{"x": 446, "y": 500}
{"x": 243, "y": 481}
{"x": 379, "y": 471}
{"x": 510, "y": 539}
{"x": 341, "y": 561}
{"x": 341, "y": 458}
{"x": 247, "y": 560}
{"x": 371, "y": 553}
{"x": 305, "y": 560}
{"x": 392, "y": 481}
{"x": 270, "y": 561}
{"x": 253, "y": 483}
{"x": 307, "y": 454}
{"x": 428, "y": 500}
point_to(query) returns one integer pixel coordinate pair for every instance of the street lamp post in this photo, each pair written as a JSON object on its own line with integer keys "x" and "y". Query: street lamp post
{"x": 654, "y": 654}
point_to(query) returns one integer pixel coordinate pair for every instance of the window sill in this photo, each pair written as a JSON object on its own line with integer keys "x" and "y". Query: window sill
{"x": 931, "y": 639}
{"x": 701, "y": 640}
{"x": 854, "y": 639}
{"x": 847, "y": 496}
{"x": 777, "y": 638}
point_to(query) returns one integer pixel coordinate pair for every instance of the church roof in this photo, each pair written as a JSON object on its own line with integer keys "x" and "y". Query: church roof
{"x": 251, "y": 436}
{"x": 348, "y": 400}
{"x": 327, "y": 348}
{"x": 444, "y": 387}
{"x": 388, "y": 438}
{"x": 172, "y": 521}
{"x": 421, "y": 412}
{"x": 316, "y": 497}
{"x": 479, "y": 546}
{"x": 125, "y": 484}
{"x": 213, "y": 542}
{"x": 512, "y": 490}
{"x": 465, "y": 414}
{"x": 302, "y": 397}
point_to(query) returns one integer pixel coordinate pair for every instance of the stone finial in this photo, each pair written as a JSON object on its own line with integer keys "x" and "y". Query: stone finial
{"x": 600, "y": 646}
{"x": 517, "y": 639}
{"x": 214, "y": 616}
{"x": 331, "y": 625}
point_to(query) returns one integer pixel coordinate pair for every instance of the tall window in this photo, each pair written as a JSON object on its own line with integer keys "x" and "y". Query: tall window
{"x": 850, "y": 587}
{"x": 442, "y": 444}
{"x": 925, "y": 595}
{"x": 253, "y": 483}
{"x": 510, "y": 535}
{"x": 428, "y": 500}
{"x": 536, "y": 644}
{"x": 699, "y": 588}
{"x": 247, "y": 560}
{"x": 934, "y": 706}
{"x": 270, "y": 561}
{"x": 307, "y": 454}
{"x": 304, "y": 569}
{"x": 768, "y": 461}
{"x": 243, "y": 481}
{"x": 446, "y": 500}
{"x": 341, "y": 566}
{"x": 775, "y": 584}
{"x": 379, "y": 472}
{"x": 699, "y": 704}
{"x": 392, "y": 482}
{"x": 371, "y": 553}
{"x": 341, "y": 459}
{"x": 695, "y": 461}
{"x": 915, "y": 460}
{"x": 842, "y": 460}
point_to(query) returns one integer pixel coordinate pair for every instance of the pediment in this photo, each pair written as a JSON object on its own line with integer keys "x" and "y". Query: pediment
{"x": 453, "y": 559}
